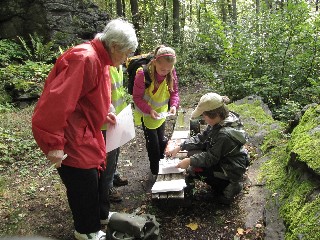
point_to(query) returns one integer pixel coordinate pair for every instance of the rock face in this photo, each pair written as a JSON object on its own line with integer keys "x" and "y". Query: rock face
{"x": 66, "y": 21}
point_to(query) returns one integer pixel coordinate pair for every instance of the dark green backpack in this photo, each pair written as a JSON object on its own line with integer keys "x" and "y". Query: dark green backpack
{"x": 132, "y": 64}
{"x": 126, "y": 226}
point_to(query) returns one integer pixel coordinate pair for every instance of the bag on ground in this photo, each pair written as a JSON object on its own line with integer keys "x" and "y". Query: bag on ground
{"x": 131, "y": 226}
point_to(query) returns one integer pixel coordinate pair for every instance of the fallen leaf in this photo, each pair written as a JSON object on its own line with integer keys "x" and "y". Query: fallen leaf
{"x": 192, "y": 226}
{"x": 240, "y": 231}
{"x": 258, "y": 225}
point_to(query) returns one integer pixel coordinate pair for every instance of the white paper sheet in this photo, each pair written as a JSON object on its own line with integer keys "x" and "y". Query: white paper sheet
{"x": 122, "y": 132}
{"x": 168, "y": 165}
{"x": 164, "y": 115}
{"x": 169, "y": 186}
{"x": 180, "y": 134}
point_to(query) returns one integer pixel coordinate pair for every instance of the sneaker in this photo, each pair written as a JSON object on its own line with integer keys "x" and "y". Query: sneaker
{"x": 100, "y": 235}
{"x": 114, "y": 195}
{"x": 119, "y": 181}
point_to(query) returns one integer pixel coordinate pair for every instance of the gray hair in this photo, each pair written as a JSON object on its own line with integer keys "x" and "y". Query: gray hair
{"x": 120, "y": 32}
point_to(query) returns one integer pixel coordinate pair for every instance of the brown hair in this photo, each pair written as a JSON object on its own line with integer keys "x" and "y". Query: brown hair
{"x": 222, "y": 111}
{"x": 169, "y": 55}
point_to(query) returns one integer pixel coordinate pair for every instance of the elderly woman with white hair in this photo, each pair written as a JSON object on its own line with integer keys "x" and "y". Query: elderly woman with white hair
{"x": 67, "y": 122}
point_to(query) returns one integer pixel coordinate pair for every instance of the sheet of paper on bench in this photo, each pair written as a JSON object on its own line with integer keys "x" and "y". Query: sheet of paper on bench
{"x": 122, "y": 132}
{"x": 168, "y": 186}
{"x": 180, "y": 134}
{"x": 168, "y": 165}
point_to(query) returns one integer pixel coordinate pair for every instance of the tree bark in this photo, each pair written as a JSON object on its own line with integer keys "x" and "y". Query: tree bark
{"x": 223, "y": 10}
{"x": 135, "y": 21}
{"x": 175, "y": 17}
{"x": 119, "y": 8}
{"x": 234, "y": 11}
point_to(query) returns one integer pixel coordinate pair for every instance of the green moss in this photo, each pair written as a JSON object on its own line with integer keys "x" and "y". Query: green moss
{"x": 254, "y": 116}
{"x": 290, "y": 187}
{"x": 306, "y": 222}
{"x": 253, "y": 111}
{"x": 305, "y": 140}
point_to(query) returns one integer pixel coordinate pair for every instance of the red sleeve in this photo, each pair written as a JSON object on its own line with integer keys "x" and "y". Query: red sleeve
{"x": 59, "y": 98}
{"x": 174, "y": 95}
{"x": 138, "y": 92}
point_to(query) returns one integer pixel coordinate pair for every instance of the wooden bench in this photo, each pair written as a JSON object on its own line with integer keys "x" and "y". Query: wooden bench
{"x": 179, "y": 134}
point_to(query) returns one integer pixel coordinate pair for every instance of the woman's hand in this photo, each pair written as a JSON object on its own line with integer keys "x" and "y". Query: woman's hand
{"x": 173, "y": 152}
{"x": 184, "y": 164}
{"x": 56, "y": 157}
{"x": 111, "y": 118}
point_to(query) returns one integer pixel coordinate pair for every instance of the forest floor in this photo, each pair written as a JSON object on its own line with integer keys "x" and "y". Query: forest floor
{"x": 44, "y": 211}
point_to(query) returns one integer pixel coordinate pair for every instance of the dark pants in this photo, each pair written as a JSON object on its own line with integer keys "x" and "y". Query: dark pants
{"x": 156, "y": 144}
{"x": 112, "y": 161}
{"x": 87, "y": 196}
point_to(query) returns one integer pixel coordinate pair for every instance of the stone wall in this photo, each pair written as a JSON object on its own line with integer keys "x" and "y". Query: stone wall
{"x": 66, "y": 21}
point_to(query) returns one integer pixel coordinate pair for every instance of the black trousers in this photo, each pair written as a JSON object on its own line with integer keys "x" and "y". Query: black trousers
{"x": 87, "y": 196}
{"x": 156, "y": 144}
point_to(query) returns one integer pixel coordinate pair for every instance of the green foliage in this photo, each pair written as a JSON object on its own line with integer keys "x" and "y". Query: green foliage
{"x": 10, "y": 52}
{"x": 15, "y": 141}
{"x": 24, "y": 78}
{"x": 38, "y": 50}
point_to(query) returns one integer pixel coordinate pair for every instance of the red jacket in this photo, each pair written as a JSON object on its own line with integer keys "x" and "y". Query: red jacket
{"x": 74, "y": 105}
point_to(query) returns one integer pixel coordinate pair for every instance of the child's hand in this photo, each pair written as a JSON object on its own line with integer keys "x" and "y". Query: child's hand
{"x": 154, "y": 114}
{"x": 184, "y": 164}
{"x": 173, "y": 110}
{"x": 173, "y": 152}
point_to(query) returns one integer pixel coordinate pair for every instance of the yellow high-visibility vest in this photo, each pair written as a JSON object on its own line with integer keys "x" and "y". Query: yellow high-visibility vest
{"x": 117, "y": 91}
{"x": 158, "y": 102}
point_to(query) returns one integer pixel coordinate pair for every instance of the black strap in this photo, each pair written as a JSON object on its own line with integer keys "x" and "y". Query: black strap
{"x": 146, "y": 76}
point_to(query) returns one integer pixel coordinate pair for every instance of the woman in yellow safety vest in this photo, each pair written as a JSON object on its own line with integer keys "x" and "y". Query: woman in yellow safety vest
{"x": 118, "y": 103}
{"x": 152, "y": 102}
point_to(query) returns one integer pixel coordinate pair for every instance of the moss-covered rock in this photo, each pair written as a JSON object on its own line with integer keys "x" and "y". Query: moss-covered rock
{"x": 296, "y": 189}
{"x": 305, "y": 139}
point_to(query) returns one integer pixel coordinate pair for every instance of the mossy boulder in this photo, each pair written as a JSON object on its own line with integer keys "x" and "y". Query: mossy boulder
{"x": 292, "y": 174}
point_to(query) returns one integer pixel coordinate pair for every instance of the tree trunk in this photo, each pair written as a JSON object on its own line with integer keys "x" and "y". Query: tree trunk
{"x": 223, "y": 10}
{"x": 135, "y": 21}
{"x": 124, "y": 8}
{"x": 234, "y": 11}
{"x": 119, "y": 8}
{"x": 317, "y": 5}
{"x": 257, "y": 6}
{"x": 165, "y": 19}
{"x": 182, "y": 21}
{"x": 175, "y": 17}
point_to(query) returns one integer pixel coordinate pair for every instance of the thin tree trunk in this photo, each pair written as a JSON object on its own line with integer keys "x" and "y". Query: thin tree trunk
{"x": 257, "y": 6}
{"x": 165, "y": 19}
{"x": 234, "y": 11}
{"x": 119, "y": 8}
{"x": 135, "y": 21}
{"x": 182, "y": 21}
{"x": 223, "y": 10}
{"x": 123, "y": 8}
{"x": 175, "y": 17}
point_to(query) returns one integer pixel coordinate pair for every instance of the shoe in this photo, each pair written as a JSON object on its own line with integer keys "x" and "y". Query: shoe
{"x": 100, "y": 235}
{"x": 119, "y": 181}
{"x": 114, "y": 195}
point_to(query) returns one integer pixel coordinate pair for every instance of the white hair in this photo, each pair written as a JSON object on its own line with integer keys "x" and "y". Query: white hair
{"x": 120, "y": 32}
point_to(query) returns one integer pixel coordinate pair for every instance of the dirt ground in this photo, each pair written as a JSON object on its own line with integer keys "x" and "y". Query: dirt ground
{"x": 46, "y": 212}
